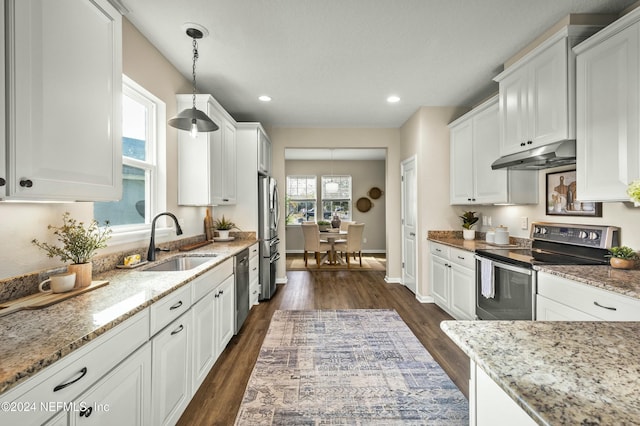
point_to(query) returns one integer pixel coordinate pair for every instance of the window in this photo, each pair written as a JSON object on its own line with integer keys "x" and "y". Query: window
{"x": 301, "y": 199}
{"x": 143, "y": 144}
{"x": 336, "y": 197}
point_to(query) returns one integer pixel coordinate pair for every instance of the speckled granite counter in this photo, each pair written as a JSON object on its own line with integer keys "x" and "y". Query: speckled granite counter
{"x": 454, "y": 239}
{"x": 34, "y": 339}
{"x": 559, "y": 372}
{"x": 620, "y": 281}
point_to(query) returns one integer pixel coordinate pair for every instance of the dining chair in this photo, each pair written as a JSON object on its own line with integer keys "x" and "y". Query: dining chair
{"x": 344, "y": 225}
{"x": 353, "y": 243}
{"x": 312, "y": 242}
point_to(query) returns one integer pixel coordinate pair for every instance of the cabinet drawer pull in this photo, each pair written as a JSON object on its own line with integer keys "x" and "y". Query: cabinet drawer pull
{"x": 221, "y": 291}
{"x": 2, "y": 182}
{"x": 438, "y": 250}
{"x": 176, "y": 306}
{"x": 177, "y": 330}
{"x": 86, "y": 412}
{"x": 26, "y": 183}
{"x": 82, "y": 373}
{"x": 461, "y": 258}
{"x": 604, "y": 307}
{"x": 217, "y": 294}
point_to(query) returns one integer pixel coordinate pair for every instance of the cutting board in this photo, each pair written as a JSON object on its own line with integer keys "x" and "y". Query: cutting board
{"x": 42, "y": 300}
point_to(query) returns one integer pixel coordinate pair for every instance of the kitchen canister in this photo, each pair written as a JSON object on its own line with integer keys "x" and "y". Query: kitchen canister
{"x": 501, "y": 235}
{"x": 490, "y": 236}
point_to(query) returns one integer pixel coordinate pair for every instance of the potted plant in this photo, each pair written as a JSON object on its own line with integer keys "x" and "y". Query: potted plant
{"x": 79, "y": 243}
{"x": 622, "y": 257}
{"x": 633, "y": 190}
{"x": 468, "y": 220}
{"x": 223, "y": 226}
{"x": 323, "y": 225}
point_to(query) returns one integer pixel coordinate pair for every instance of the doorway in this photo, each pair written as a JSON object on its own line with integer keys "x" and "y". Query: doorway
{"x": 409, "y": 202}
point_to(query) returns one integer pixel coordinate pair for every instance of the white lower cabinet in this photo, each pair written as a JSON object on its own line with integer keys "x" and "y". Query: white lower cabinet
{"x": 489, "y": 404}
{"x": 171, "y": 371}
{"x": 453, "y": 280}
{"x": 562, "y": 299}
{"x": 225, "y": 314}
{"x": 204, "y": 344}
{"x": 254, "y": 275}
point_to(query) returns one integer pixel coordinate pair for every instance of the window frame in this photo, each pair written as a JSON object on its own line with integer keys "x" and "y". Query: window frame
{"x": 155, "y": 165}
{"x": 325, "y": 197}
{"x": 313, "y": 200}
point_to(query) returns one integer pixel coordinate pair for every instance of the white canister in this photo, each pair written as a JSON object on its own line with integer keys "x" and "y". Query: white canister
{"x": 502, "y": 235}
{"x": 490, "y": 236}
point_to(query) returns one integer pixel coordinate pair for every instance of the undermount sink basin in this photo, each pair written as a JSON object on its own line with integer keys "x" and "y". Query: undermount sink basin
{"x": 182, "y": 263}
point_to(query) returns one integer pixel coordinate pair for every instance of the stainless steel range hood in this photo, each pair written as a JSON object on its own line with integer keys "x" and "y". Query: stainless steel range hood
{"x": 542, "y": 157}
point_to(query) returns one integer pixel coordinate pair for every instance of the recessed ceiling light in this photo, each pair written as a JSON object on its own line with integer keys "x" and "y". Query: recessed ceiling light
{"x": 265, "y": 98}
{"x": 393, "y": 99}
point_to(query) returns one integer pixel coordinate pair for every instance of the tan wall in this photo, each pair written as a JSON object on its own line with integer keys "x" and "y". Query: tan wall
{"x": 364, "y": 176}
{"x": 21, "y": 222}
{"x": 283, "y": 138}
{"x": 426, "y": 135}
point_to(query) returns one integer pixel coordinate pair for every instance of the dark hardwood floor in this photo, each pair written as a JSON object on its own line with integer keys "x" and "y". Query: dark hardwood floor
{"x": 218, "y": 399}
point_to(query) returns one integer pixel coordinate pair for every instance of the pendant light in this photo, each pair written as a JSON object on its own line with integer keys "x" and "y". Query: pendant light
{"x": 192, "y": 119}
{"x": 332, "y": 187}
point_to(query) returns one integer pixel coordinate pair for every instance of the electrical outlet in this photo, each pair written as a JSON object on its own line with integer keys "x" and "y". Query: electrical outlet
{"x": 484, "y": 220}
{"x": 489, "y": 220}
{"x": 524, "y": 222}
{"x": 364, "y": 240}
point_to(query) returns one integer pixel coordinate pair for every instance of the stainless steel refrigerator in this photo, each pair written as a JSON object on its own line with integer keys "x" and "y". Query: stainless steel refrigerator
{"x": 268, "y": 217}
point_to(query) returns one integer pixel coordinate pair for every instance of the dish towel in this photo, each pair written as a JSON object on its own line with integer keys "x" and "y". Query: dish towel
{"x": 486, "y": 279}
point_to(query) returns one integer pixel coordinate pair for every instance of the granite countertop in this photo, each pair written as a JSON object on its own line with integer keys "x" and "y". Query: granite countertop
{"x": 559, "y": 372}
{"x": 35, "y": 339}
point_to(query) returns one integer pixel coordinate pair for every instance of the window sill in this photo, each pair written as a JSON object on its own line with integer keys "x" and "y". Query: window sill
{"x": 138, "y": 235}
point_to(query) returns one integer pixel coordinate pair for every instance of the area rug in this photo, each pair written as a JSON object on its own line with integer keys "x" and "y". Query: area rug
{"x": 369, "y": 263}
{"x": 347, "y": 367}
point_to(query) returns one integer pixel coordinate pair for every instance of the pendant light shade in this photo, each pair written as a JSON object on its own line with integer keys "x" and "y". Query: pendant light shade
{"x": 192, "y": 119}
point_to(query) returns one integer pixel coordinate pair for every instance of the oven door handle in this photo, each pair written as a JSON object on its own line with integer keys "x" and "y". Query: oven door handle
{"x": 506, "y": 266}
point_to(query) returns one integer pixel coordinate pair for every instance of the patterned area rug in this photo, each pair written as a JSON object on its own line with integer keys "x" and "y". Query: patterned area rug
{"x": 347, "y": 367}
{"x": 369, "y": 263}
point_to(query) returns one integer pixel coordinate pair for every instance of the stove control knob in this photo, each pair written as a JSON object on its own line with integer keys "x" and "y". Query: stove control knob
{"x": 583, "y": 235}
{"x": 543, "y": 231}
{"x": 536, "y": 230}
{"x": 593, "y": 235}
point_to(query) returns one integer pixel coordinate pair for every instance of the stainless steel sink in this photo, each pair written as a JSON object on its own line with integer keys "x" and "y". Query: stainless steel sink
{"x": 182, "y": 263}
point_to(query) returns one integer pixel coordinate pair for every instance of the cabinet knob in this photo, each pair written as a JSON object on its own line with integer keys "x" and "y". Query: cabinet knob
{"x": 26, "y": 183}
{"x": 529, "y": 142}
{"x": 86, "y": 412}
{"x": 522, "y": 144}
{"x": 2, "y": 182}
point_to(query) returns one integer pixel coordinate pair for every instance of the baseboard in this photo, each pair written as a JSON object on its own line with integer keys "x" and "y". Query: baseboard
{"x": 282, "y": 280}
{"x": 425, "y": 299}
{"x": 392, "y": 280}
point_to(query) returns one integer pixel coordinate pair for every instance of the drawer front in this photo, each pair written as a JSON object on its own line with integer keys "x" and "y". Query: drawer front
{"x": 211, "y": 279}
{"x": 592, "y": 301}
{"x": 254, "y": 268}
{"x": 254, "y": 293}
{"x": 76, "y": 372}
{"x": 462, "y": 258}
{"x": 254, "y": 250}
{"x": 439, "y": 250}
{"x": 169, "y": 308}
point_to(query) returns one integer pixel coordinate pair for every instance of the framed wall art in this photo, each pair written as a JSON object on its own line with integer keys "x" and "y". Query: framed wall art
{"x": 563, "y": 200}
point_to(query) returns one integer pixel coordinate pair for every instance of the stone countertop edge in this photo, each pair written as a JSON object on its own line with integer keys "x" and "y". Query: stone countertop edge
{"x": 624, "y": 282}
{"x": 559, "y": 372}
{"x": 35, "y": 339}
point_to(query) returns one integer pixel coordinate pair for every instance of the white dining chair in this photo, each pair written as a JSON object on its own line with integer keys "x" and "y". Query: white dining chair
{"x": 353, "y": 244}
{"x": 312, "y": 242}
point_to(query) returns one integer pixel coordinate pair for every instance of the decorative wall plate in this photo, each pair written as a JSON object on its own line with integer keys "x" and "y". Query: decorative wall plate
{"x": 375, "y": 193}
{"x": 364, "y": 204}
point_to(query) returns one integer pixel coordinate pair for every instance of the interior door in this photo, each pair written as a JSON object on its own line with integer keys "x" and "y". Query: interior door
{"x": 409, "y": 223}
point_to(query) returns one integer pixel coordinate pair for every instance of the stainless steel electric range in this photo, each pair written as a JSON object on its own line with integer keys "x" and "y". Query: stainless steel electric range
{"x": 506, "y": 282}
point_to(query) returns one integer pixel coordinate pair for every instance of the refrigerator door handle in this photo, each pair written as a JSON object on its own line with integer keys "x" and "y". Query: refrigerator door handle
{"x": 276, "y": 207}
{"x": 274, "y": 241}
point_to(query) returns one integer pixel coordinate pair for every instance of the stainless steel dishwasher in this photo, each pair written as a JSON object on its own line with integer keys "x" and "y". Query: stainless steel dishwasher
{"x": 241, "y": 271}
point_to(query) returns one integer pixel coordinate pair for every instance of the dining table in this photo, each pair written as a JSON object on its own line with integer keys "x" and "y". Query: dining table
{"x": 332, "y": 235}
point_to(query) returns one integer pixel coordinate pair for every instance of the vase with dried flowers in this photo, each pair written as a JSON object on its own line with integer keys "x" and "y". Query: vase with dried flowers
{"x": 79, "y": 243}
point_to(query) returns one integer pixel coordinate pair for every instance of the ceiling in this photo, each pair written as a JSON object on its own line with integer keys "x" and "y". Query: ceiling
{"x": 333, "y": 63}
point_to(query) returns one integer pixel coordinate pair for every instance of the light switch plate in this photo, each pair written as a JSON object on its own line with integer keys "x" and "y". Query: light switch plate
{"x": 524, "y": 222}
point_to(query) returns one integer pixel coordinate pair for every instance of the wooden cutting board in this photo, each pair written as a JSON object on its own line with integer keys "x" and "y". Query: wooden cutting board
{"x": 42, "y": 300}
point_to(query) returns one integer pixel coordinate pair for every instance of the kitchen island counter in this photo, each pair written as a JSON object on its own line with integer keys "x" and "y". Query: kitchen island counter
{"x": 34, "y": 339}
{"x": 559, "y": 372}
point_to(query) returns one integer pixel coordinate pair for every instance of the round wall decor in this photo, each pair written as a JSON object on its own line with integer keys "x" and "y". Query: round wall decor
{"x": 375, "y": 193}
{"x": 364, "y": 204}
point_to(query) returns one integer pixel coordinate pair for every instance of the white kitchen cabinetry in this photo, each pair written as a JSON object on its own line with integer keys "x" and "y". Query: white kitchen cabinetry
{"x": 171, "y": 370}
{"x": 123, "y": 397}
{"x": 254, "y": 275}
{"x": 608, "y": 112}
{"x": 64, "y": 85}
{"x": 225, "y": 314}
{"x": 567, "y": 300}
{"x": 453, "y": 280}
{"x": 3, "y": 100}
{"x": 264, "y": 151}
{"x": 537, "y": 93}
{"x": 489, "y": 404}
{"x": 66, "y": 380}
{"x": 475, "y": 144}
{"x": 207, "y": 164}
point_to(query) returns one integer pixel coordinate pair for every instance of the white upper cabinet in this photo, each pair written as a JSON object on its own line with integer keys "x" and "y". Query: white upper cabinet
{"x": 475, "y": 144}
{"x": 207, "y": 164}
{"x": 264, "y": 152}
{"x": 608, "y": 95}
{"x": 537, "y": 102}
{"x": 64, "y": 85}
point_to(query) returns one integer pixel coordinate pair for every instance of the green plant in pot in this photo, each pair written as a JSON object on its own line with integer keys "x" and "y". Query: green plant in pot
{"x": 324, "y": 225}
{"x": 622, "y": 257}
{"x": 79, "y": 243}
{"x": 633, "y": 190}
{"x": 469, "y": 219}
{"x": 223, "y": 226}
